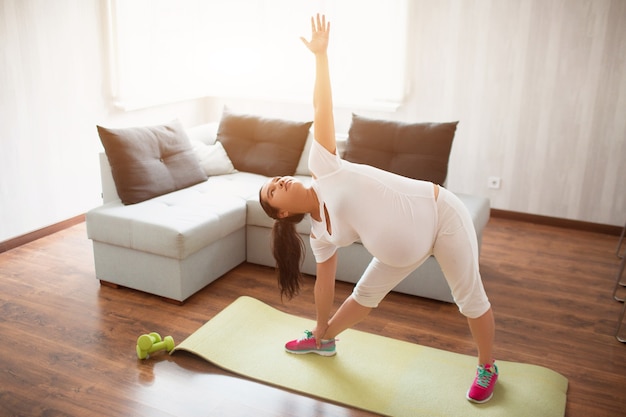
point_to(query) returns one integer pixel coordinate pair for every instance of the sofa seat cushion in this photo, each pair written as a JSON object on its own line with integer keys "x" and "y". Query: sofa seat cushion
{"x": 241, "y": 184}
{"x": 174, "y": 225}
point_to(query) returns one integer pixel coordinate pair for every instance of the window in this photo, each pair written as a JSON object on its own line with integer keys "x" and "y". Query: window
{"x": 167, "y": 50}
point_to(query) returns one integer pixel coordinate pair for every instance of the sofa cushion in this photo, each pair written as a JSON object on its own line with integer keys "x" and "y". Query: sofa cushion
{"x": 150, "y": 161}
{"x": 270, "y": 147}
{"x": 213, "y": 158}
{"x": 303, "y": 164}
{"x": 180, "y": 223}
{"x": 174, "y": 225}
{"x": 415, "y": 150}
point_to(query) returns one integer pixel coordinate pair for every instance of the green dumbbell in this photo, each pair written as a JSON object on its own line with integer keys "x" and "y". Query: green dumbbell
{"x": 150, "y": 343}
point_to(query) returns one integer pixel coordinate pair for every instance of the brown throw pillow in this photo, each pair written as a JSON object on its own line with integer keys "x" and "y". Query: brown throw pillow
{"x": 415, "y": 150}
{"x": 270, "y": 147}
{"x": 150, "y": 161}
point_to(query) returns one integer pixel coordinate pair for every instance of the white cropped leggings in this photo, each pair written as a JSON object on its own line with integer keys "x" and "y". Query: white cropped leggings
{"x": 456, "y": 250}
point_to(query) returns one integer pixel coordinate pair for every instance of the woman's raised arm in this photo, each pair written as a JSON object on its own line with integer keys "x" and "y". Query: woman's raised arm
{"x": 324, "y": 123}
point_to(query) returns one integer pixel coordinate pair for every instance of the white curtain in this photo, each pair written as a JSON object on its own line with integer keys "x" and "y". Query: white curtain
{"x": 169, "y": 50}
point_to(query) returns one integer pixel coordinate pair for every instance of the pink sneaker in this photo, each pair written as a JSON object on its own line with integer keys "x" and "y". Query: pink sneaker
{"x": 306, "y": 344}
{"x": 481, "y": 390}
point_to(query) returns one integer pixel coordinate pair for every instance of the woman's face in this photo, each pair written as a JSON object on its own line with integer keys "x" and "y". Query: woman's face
{"x": 283, "y": 193}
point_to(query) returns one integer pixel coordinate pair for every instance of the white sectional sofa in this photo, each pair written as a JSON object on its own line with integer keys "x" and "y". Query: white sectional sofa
{"x": 175, "y": 244}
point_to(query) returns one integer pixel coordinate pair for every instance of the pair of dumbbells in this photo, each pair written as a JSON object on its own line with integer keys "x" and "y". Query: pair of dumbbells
{"x": 150, "y": 343}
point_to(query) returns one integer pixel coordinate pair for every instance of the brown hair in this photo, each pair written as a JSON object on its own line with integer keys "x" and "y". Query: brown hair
{"x": 287, "y": 248}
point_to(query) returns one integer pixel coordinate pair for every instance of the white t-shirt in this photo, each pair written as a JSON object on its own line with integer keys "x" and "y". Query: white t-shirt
{"x": 394, "y": 217}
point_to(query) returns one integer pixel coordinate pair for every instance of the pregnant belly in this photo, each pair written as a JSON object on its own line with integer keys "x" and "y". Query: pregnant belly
{"x": 399, "y": 249}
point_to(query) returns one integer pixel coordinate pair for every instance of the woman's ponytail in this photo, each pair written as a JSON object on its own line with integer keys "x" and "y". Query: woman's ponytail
{"x": 287, "y": 248}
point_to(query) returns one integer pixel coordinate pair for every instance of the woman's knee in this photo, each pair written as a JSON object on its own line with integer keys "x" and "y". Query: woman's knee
{"x": 367, "y": 298}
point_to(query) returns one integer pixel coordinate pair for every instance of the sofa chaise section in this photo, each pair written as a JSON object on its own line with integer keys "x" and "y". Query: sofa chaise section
{"x": 172, "y": 245}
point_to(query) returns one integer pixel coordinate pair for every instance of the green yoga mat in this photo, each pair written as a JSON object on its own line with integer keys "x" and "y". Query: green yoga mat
{"x": 370, "y": 372}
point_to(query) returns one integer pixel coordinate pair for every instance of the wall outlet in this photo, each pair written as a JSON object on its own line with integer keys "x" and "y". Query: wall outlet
{"x": 494, "y": 183}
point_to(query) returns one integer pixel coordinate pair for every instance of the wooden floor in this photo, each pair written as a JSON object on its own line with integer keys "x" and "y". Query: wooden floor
{"x": 69, "y": 344}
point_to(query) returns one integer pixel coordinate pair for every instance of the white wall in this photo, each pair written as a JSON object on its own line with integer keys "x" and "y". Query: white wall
{"x": 53, "y": 91}
{"x": 539, "y": 87}
{"x": 540, "y": 90}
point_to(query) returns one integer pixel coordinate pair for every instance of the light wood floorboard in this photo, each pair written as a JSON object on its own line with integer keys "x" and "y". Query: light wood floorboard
{"x": 69, "y": 343}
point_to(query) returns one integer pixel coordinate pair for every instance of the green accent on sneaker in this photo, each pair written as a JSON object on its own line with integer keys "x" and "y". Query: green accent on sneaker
{"x": 484, "y": 376}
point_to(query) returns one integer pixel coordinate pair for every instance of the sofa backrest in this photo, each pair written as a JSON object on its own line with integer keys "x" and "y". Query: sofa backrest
{"x": 207, "y": 134}
{"x": 109, "y": 193}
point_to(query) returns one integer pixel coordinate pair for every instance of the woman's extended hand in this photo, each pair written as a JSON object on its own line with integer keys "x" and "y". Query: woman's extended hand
{"x": 318, "y": 333}
{"x": 319, "y": 35}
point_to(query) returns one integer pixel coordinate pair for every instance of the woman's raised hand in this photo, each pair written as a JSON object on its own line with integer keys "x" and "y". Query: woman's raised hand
{"x": 319, "y": 35}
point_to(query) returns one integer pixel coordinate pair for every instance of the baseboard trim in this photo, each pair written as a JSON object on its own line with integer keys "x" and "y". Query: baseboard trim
{"x": 38, "y": 234}
{"x": 558, "y": 222}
